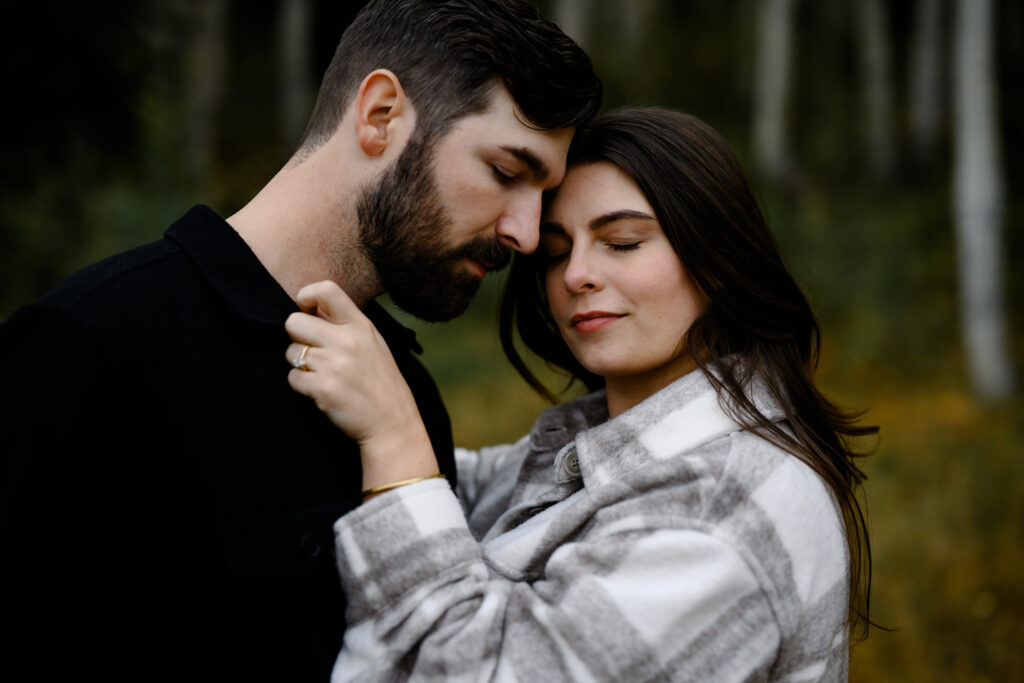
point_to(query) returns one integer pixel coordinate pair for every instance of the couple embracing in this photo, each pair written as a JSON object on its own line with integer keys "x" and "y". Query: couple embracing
{"x": 178, "y": 504}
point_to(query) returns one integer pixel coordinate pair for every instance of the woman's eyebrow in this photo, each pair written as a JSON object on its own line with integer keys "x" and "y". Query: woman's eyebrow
{"x": 622, "y": 214}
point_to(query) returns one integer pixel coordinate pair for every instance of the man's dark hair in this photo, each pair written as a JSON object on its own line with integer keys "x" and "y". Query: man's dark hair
{"x": 448, "y": 53}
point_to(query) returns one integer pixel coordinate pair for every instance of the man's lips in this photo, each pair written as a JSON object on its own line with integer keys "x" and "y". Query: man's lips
{"x": 481, "y": 264}
{"x": 483, "y": 256}
{"x": 477, "y": 268}
{"x": 593, "y": 320}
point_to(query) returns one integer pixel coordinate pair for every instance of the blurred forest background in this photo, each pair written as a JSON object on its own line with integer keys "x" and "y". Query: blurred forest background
{"x": 885, "y": 138}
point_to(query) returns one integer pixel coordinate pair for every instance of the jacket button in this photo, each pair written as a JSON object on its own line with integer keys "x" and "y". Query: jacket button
{"x": 572, "y": 464}
{"x": 309, "y": 545}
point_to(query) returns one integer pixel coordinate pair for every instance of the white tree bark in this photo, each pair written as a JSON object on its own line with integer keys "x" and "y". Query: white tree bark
{"x": 876, "y": 70}
{"x": 978, "y": 200}
{"x": 572, "y": 16}
{"x": 926, "y": 110}
{"x": 771, "y": 87}
{"x": 294, "y": 86}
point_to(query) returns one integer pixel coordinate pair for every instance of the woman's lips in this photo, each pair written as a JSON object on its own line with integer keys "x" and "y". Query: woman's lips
{"x": 592, "y": 320}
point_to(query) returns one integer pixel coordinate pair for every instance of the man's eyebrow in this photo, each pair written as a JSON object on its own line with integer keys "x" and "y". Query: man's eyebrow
{"x": 622, "y": 214}
{"x": 538, "y": 169}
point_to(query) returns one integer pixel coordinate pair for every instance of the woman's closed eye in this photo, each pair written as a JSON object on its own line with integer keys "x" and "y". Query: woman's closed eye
{"x": 624, "y": 246}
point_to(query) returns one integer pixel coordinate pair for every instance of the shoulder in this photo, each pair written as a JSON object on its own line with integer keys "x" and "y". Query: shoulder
{"x": 785, "y": 493}
{"x": 781, "y": 516}
{"x": 122, "y": 272}
{"x": 154, "y": 277}
{"x": 768, "y": 503}
{"x": 749, "y": 487}
{"x": 773, "y": 510}
{"x": 130, "y": 282}
{"x": 735, "y": 477}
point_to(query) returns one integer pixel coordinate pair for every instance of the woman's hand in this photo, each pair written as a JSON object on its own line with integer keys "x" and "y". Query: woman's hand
{"x": 351, "y": 375}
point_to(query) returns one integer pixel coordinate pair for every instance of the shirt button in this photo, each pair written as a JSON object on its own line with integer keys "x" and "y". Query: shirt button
{"x": 309, "y": 545}
{"x": 572, "y": 464}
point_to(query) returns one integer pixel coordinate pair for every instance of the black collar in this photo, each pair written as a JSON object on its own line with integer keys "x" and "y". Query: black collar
{"x": 232, "y": 269}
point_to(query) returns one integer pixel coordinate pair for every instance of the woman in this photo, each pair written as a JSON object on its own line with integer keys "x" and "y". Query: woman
{"x": 693, "y": 518}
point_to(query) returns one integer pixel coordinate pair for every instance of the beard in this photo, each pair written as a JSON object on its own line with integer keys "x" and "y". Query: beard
{"x": 403, "y": 224}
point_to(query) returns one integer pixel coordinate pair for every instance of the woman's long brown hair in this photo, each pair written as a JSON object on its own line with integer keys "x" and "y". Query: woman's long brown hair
{"x": 758, "y": 323}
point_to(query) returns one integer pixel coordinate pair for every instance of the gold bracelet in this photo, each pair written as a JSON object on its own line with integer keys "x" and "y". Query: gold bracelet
{"x": 387, "y": 487}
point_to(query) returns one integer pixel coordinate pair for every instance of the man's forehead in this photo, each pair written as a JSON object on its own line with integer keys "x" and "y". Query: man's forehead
{"x": 502, "y": 126}
{"x": 502, "y": 109}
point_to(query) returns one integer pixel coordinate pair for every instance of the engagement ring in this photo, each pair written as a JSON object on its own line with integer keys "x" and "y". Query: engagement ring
{"x": 300, "y": 362}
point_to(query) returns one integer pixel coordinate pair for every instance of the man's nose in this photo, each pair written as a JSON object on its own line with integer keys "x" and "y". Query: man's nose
{"x": 519, "y": 227}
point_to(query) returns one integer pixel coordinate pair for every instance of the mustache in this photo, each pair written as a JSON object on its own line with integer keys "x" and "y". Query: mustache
{"x": 486, "y": 250}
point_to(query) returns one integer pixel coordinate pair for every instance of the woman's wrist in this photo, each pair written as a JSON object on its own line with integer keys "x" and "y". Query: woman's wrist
{"x": 370, "y": 493}
{"x": 396, "y": 456}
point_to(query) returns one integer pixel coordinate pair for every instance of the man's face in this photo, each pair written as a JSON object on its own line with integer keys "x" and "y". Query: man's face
{"x": 445, "y": 214}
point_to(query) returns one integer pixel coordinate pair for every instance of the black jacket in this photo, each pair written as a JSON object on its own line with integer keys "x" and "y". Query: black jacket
{"x": 167, "y": 499}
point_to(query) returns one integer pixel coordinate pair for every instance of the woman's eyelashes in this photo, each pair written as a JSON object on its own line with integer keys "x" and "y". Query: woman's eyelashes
{"x": 556, "y": 252}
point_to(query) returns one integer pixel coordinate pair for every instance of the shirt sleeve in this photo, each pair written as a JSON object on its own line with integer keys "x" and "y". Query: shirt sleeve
{"x": 487, "y": 479}
{"x": 637, "y": 600}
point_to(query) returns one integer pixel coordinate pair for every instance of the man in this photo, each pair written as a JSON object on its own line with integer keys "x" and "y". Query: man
{"x": 167, "y": 498}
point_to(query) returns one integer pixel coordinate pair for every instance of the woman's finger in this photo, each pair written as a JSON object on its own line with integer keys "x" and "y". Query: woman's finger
{"x": 297, "y": 355}
{"x": 302, "y": 382}
{"x": 304, "y": 328}
{"x": 329, "y": 301}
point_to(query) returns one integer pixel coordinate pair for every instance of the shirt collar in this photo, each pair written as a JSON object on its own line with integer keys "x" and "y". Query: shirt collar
{"x": 679, "y": 418}
{"x": 228, "y": 264}
{"x": 234, "y": 272}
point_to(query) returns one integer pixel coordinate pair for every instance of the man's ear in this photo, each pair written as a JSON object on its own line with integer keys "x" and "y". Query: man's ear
{"x": 380, "y": 105}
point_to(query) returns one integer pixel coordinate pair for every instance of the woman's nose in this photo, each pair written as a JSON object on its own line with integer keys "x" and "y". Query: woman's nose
{"x": 581, "y": 273}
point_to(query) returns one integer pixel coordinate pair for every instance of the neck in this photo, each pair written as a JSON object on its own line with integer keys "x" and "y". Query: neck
{"x": 624, "y": 392}
{"x": 304, "y": 231}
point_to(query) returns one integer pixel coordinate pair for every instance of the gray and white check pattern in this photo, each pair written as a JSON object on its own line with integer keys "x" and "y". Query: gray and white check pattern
{"x": 667, "y": 544}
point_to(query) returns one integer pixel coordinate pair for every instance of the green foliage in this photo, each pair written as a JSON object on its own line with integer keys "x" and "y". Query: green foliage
{"x": 946, "y": 501}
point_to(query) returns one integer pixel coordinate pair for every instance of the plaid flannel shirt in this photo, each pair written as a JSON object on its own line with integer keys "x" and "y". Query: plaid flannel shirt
{"x": 667, "y": 544}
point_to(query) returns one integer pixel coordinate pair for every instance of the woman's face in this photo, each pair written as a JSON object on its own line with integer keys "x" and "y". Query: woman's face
{"x": 616, "y": 288}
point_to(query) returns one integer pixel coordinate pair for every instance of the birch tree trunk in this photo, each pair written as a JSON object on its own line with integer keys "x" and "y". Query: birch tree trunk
{"x": 771, "y": 88}
{"x": 294, "y": 86}
{"x": 925, "y": 79}
{"x": 572, "y": 16}
{"x": 876, "y": 70}
{"x": 978, "y": 201}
